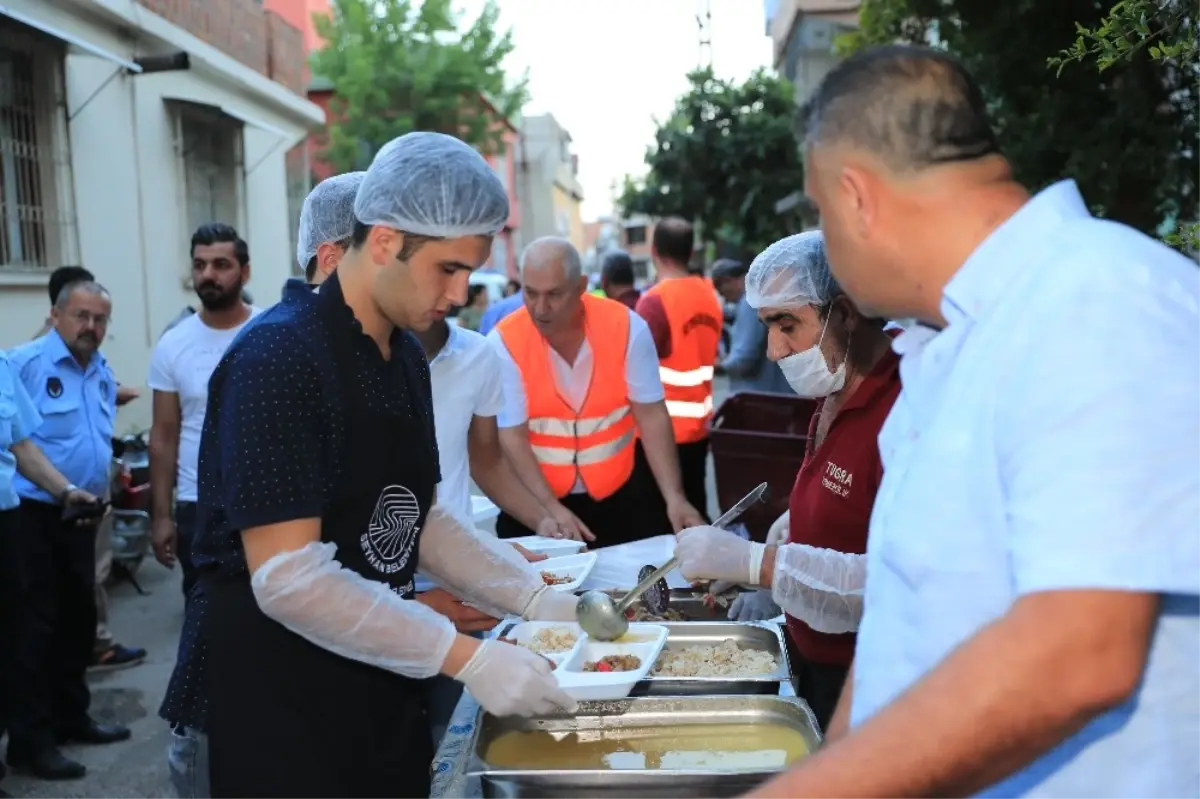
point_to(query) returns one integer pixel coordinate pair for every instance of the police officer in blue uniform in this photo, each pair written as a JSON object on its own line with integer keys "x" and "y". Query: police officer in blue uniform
{"x": 75, "y": 393}
{"x": 18, "y": 420}
{"x": 317, "y": 502}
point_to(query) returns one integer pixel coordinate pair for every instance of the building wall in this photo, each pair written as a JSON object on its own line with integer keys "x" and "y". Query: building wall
{"x": 550, "y": 193}
{"x": 803, "y": 33}
{"x": 124, "y": 173}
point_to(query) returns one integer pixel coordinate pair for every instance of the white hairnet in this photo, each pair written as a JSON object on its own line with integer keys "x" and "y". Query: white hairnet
{"x": 792, "y": 271}
{"x": 328, "y": 214}
{"x": 432, "y": 184}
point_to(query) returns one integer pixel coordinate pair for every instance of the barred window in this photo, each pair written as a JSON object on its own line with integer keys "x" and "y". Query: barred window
{"x": 37, "y": 215}
{"x": 210, "y": 145}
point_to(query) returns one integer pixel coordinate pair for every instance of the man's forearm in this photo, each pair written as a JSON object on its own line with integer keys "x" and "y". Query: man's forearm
{"x": 164, "y": 456}
{"x": 515, "y": 442}
{"x": 658, "y": 439}
{"x": 500, "y": 482}
{"x": 35, "y": 467}
{"x": 1001, "y": 700}
{"x": 839, "y": 722}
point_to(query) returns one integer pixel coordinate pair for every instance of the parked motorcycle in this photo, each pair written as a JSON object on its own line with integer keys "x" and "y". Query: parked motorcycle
{"x": 130, "y": 506}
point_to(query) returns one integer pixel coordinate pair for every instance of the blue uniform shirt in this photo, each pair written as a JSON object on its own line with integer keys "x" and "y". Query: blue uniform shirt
{"x": 18, "y": 420}
{"x": 78, "y": 407}
{"x": 498, "y": 310}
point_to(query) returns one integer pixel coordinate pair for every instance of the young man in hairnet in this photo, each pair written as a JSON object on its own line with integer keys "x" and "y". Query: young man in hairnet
{"x": 327, "y": 226}
{"x": 318, "y": 503}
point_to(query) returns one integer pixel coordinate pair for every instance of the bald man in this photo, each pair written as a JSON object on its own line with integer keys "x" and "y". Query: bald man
{"x": 581, "y": 384}
{"x": 1033, "y": 573}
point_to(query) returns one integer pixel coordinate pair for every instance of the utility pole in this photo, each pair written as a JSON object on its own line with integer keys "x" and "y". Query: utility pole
{"x": 704, "y": 23}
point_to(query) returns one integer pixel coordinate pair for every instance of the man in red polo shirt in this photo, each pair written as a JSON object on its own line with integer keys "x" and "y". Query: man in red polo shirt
{"x": 831, "y": 352}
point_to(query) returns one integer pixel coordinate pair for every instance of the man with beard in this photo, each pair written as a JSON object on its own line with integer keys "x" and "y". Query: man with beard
{"x": 75, "y": 393}
{"x": 182, "y": 363}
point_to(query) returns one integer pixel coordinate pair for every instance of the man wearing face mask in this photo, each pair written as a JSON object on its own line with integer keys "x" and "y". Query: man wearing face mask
{"x": 828, "y": 351}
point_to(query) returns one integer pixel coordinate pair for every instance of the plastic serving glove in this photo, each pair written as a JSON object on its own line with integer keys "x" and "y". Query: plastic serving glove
{"x": 510, "y": 680}
{"x": 710, "y": 553}
{"x": 754, "y": 606}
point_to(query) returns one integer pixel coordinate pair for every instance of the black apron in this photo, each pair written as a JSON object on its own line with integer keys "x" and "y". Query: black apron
{"x": 288, "y": 718}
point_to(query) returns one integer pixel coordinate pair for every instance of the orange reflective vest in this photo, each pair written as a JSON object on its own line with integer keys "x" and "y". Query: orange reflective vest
{"x": 594, "y": 444}
{"x": 694, "y": 313}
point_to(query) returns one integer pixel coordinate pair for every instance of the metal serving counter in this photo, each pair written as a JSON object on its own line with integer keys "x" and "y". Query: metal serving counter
{"x": 617, "y": 568}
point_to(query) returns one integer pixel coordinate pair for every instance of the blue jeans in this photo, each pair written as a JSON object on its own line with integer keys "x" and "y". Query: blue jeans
{"x": 187, "y": 760}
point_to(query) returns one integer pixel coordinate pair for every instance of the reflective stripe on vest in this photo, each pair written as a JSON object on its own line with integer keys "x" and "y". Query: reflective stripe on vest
{"x": 595, "y": 445}
{"x": 694, "y": 315}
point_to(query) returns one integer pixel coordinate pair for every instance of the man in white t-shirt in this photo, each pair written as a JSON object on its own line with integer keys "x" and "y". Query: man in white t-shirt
{"x": 180, "y": 367}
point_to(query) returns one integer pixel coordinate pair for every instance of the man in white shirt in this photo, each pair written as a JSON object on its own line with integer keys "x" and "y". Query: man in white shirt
{"x": 1032, "y": 597}
{"x": 182, "y": 362}
{"x": 575, "y": 451}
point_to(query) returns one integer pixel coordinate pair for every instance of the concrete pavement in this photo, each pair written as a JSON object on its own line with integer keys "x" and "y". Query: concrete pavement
{"x": 137, "y": 767}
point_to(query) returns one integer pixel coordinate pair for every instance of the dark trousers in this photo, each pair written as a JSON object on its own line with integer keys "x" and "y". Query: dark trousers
{"x": 693, "y": 471}
{"x": 818, "y": 684}
{"x": 58, "y": 626}
{"x": 10, "y": 617}
{"x": 185, "y": 527}
{"x": 615, "y": 519}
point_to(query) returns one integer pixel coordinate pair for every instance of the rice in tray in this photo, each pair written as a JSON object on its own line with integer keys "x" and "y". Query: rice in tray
{"x": 726, "y": 659}
{"x": 551, "y": 641}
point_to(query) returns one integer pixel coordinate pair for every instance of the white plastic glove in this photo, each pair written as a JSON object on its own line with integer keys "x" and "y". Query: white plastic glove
{"x": 314, "y": 596}
{"x": 753, "y": 606}
{"x": 510, "y": 680}
{"x": 821, "y": 587}
{"x": 486, "y": 572}
{"x": 777, "y": 534}
{"x": 710, "y": 553}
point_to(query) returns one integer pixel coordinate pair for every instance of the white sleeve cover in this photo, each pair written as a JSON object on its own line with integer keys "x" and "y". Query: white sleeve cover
{"x": 821, "y": 587}
{"x": 317, "y": 598}
{"x": 485, "y": 571}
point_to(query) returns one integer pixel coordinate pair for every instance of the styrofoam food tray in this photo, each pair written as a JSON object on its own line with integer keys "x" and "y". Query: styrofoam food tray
{"x": 646, "y": 641}
{"x": 554, "y": 547}
{"x": 524, "y": 632}
{"x": 577, "y": 567}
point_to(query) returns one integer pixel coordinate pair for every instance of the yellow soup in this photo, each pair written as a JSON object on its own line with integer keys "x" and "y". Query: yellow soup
{"x": 691, "y": 746}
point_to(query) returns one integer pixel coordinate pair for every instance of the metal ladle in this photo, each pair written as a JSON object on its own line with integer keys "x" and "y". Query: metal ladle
{"x": 604, "y": 620}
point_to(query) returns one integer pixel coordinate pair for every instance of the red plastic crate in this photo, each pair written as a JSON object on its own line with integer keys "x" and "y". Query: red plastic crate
{"x": 754, "y": 438}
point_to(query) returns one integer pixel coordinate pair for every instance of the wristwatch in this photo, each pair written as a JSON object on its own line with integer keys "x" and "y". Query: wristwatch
{"x": 62, "y": 497}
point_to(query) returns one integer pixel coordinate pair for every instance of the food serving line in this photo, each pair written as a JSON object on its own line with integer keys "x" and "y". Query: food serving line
{"x": 475, "y": 758}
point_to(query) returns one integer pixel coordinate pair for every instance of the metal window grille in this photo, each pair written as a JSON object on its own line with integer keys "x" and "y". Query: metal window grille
{"x": 211, "y": 152}
{"x": 37, "y": 214}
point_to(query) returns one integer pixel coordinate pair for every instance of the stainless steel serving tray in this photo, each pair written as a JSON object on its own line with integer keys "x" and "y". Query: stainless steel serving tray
{"x": 690, "y": 604}
{"x": 640, "y": 712}
{"x": 765, "y": 636}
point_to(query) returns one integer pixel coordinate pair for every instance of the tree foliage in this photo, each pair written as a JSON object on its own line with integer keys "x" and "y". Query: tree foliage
{"x": 1126, "y": 132}
{"x": 723, "y": 158}
{"x": 396, "y": 66}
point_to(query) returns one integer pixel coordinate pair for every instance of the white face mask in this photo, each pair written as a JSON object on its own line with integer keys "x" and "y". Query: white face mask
{"x": 808, "y": 374}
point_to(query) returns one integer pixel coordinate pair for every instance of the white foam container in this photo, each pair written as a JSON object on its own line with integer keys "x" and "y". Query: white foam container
{"x": 646, "y": 641}
{"x": 524, "y": 632}
{"x": 554, "y": 547}
{"x": 577, "y": 567}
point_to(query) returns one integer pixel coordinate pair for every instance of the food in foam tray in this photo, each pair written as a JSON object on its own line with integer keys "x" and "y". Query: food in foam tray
{"x": 614, "y": 663}
{"x": 550, "y": 578}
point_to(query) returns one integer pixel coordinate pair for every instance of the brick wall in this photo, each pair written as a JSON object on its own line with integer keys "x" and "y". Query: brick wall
{"x": 261, "y": 40}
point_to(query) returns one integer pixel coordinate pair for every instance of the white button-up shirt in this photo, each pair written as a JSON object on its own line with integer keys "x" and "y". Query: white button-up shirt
{"x": 1047, "y": 439}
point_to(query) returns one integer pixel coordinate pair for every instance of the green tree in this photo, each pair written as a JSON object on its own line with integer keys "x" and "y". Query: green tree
{"x": 723, "y": 158}
{"x": 1127, "y": 134}
{"x": 396, "y": 66}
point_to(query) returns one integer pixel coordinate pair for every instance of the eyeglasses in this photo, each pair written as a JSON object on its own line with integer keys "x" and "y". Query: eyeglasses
{"x": 86, "y": 317}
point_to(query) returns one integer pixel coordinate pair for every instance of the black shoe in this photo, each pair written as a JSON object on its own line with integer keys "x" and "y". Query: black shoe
{"x": 48, "y": 764}
{"x": 93, "y": 732}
